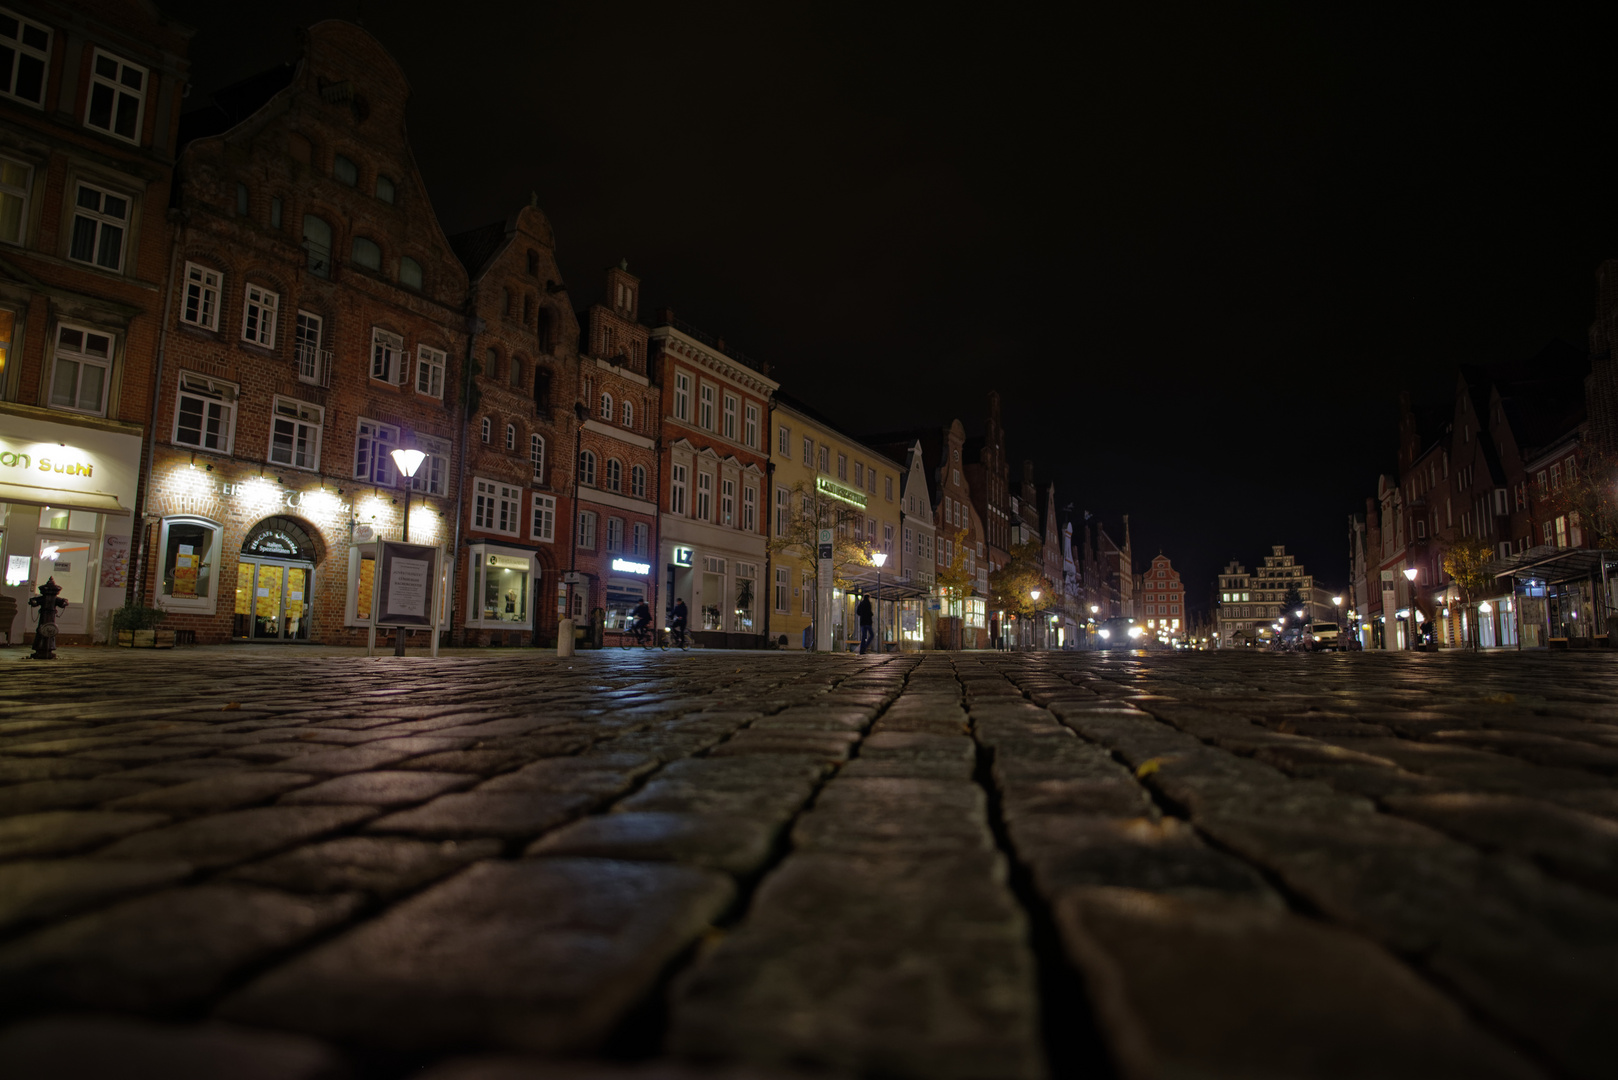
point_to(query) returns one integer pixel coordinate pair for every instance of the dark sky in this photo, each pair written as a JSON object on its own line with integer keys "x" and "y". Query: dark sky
{"x": 1199, "y": 251}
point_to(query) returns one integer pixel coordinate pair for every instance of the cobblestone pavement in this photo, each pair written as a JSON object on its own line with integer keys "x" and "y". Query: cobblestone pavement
{"x": 294, "y": 864}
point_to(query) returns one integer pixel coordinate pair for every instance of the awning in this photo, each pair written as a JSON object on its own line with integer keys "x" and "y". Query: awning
{"x": 28, "y": 495}
{"x": 1555, "y": 565}
{"x": 891, "y": 589}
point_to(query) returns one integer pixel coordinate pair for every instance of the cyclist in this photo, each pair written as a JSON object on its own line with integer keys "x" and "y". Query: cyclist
{"x": 677, "y": 622}
{"x": 642, "y": 619}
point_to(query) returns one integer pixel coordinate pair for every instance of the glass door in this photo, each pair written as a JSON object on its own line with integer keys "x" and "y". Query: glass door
{"x": 267, "y": 601}
{"x": 66, "y": 560}
{"x": 272, "y": 601}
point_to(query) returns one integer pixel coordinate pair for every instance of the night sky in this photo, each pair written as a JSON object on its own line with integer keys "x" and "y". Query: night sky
{"x": 1198, "y": 251}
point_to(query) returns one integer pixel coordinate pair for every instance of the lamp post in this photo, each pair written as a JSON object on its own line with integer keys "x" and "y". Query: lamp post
{"x": 879, "y": 558}
{"x": 1033, "y": 594}
{"x": 407, "y": 462}
{"x": 1410, "y": 622}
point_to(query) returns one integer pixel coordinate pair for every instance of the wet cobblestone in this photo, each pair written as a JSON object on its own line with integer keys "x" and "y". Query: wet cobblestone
{"x": 501, "y": 864}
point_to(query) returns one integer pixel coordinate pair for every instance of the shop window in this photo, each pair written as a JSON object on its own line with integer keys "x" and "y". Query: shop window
{"x": 189, "y": 549}
{"x": 500, "y": 588}
{"x": 202, "y": 287}
{"x": 16, "y": 179}
{"x": 27, "y": 45}
{"x": 117, "y": 97}
{"x": 205, "y": 412}
{"x": 742, "y": 615}
{"x": 100, "y": 223}
{"x": 81, "y": 370}
{"x": 623, "y": 597}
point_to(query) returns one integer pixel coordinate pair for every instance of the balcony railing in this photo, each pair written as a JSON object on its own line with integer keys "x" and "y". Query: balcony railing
{"x": 314, "y": 364}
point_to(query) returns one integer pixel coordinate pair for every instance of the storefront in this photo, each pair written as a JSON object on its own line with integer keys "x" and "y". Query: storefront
{"x": 721, "y": 591}
{"x": 1563, "y": 597}
{"x": 67, "y": 492}
{"x": 628, "y": 586}
{"x": 240, "y": 553}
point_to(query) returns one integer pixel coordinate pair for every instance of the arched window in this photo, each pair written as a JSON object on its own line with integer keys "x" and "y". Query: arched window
{"x": 542, "y": 386}
{"x": 491, "y": 363}
{"x": 615, "y": 474}
{"x": 516, "y": 372}
{"x": 606, "y": 406}
{"x": 527, "y": 310}
{"x": 317, "y": 245}
{"x": 410, "y": 273}
{"x": 365, "y": 253}
{"x": 511, "y": 436}
{"x": 637, "y": 481}
{"x": 629, "y": 415}
{"x": 536, "y": 455}
{"x": 488, "y": 429}
{"x": 542, "y": 329}
{"x": 587, "y": 468}
{"x": 384, "y": 188}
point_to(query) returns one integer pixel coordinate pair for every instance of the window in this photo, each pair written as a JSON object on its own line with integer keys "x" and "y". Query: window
{"x": 615, "y": 534}
{"x": 241, "y": 200}
{"x": 544, "y": 524}
{"x": 727, "y": 501}
{"x": 730, "y": 416}
{"x": 536, "y": 456}
{"x": 258, "y": 316}
{"x": 705, "y": 413}
{"x": 783, "y": 510}
{"x": 372, "y": 447}
{"x": 783, "y": 442}
{"x": 25, "y": 51}
{"x": 387, "y": 356}
{"x": 317, "y": 245}
{"x": 117, "y": 97}
{"x": 887, "y": 538}
{"x": 542, "y": 386}
{"x": 488, "y": 429}
{"x": 345, "y": 171}
{"x": 15, "y": 180}
{"x": 842, "y": 466}
{"x": 410, "y": 273}
{"x": 614, "y": 474}
{"x": 83, "y": 363}
{"x": 1572, "y": 470}
{"x": 511, "y": 436}
{"x": 275, "y": 212}
{"x": 910, "y": 544}
{"x": 201, "y": 297}
{"x": 808, "y": 451}
{"x": 587, "y": 468}
{"x": 205, "y": 413}
{"x": 783, "y": 589}
{"x": 887, "y": 488}
{"x": 100, "y": 219}
{"x": 825, "y": 459}
{"x": 806, "y": 593}
{"x": 587, "y": 529}
{"x": 384, "y": 188}
{"x": 677, "y": 484}
{"x": 1542, "y": 487}
{"x": 430, "y": 373}
{"x": 190, "y": 547}
{"x": 295, "y": 434}
{"x": 637, "y": 481}
{"x": 495, "y": 506}
{"x": 642, "y": 538}
{"x": 859, "y": 474}
{"x": 432, "y": 477}
{"x": 365, "y": 253}
{"x": 750, "y": 426}
{"x": 1556, "y": 476}
{"x": 606, "y": 406}
{"x": 682, "y": 396}
{"x": 629, "y": 415}
{"x": 704, "y": 508}
{"x": 750, "y": 508}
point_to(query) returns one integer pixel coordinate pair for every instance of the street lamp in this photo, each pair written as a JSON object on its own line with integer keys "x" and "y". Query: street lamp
{"x": 1033, "y": 594}
{"x": 879, "y": 557}
{"x": 1410, "y": 622}
{"x": 407, "y": 462}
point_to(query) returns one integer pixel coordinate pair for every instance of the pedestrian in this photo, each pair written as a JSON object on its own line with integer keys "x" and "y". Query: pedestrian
{"x": 677, "y": 621}
{"x": 863, "y": 611}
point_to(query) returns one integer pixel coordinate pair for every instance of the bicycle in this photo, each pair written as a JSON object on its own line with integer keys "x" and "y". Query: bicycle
{"x": 676, "y": 637}
{"x": 639, "y": 636}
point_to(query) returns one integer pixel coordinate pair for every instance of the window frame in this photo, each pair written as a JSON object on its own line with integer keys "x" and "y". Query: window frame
{"x": 682, "y": 396}
{"x": 101, "y": 220}
{"x": 432, "y": 478}
{"x": 496, "y": 507}
{"x": 612, "y": 472}
{"x": 637, "y": 481}
{"x": 702, "y": 505}
{"x": 536, "y": 455}
{"x": 23, "y": 49}
{"x": 197, "y": 296}
{"x": 81, "y": 358}
{"x": 385, "y": 343}
{"x": 300, "y": 420}
{"x": 750, "y": 425}
{"x": 24, "y": 196}
{"x": 432, "y": 364}
{"x": 587, "y": 529}
{"x": 511, "y": 438}
{"x": 587, "y": 467}
{"x": 366, "y": 443}
{"x": 116, "y": 85}
{"x": 679, "y": 479}
{"x": 208, "y": 390}
{"x": 730, "y": 405}
{"x": 256, "y": 299}
{"x": 199, "y": 604}
{"x": 542, "y": 512}
{"x": 605, "y": 411}
{"x": 705, "y": 406}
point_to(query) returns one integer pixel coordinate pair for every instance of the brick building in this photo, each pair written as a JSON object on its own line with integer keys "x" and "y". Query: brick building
{"x": 89, "y": 99}
{"x": 988, "y": 475}
{"x": 315, "y": 325}
{"x": 616, "y": 525}
{"x": 714, "y": 408}
{"x": 517, "y": 443}
{"x": 1163, "y": 600}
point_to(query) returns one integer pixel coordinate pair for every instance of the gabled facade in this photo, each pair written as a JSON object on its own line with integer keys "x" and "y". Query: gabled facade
{"x": 89, "y": 129}
{"x": 517, "y": 441}
{"x": 315, "y": 325}
{"x": 1163, "y": 600}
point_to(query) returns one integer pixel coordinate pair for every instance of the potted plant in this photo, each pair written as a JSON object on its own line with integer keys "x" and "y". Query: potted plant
{"x": 136, "y": 627}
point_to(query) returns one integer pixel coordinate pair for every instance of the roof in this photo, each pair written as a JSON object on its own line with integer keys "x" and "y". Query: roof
{"x": 1554, "y": 565}
{"x": 232, "y": 104}
{"x": 477, "y": 247}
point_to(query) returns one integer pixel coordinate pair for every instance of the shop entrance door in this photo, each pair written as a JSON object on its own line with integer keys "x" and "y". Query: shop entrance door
{"x": 272, "y": 600}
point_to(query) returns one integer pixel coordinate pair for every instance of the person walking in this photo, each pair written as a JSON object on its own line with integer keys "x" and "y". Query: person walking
{"x": 863, "y": 611}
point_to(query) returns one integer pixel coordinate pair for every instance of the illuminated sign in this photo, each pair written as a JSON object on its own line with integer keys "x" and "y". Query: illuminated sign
{"x": 833, "y": 490}
{"x": 682, "y": 556}
{"x": 628, "y": 567}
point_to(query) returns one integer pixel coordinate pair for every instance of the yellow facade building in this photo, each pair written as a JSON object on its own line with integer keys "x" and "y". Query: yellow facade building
{"x": 821, "y": 478}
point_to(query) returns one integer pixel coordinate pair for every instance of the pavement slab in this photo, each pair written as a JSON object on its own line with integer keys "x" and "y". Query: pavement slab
{"x": 501, "y": 864}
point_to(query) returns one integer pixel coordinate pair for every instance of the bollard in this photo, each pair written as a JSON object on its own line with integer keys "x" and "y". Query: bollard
{"x": 564, "y": 638}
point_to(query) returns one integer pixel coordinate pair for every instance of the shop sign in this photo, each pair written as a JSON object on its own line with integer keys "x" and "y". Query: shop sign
{"x": 682, "y": 556}
{"x": 833, "y": 490}
{"x": 73, "y": 466}
{"x": 627, "y": 567}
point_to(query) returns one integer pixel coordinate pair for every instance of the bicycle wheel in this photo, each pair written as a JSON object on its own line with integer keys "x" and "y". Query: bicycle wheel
{"x": 662, "y": 639}
{"x": 626, "y": 641}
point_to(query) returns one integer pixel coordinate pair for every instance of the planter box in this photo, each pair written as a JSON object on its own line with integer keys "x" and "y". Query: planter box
{"x": 146, "y": 639}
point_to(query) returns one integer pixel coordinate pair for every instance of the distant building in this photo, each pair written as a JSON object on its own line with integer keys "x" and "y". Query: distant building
{"x": 1162, "y": 600}
{"x": 1250, "y": 604}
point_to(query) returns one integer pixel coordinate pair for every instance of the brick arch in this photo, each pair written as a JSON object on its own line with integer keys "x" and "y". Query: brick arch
{"x": 304, "y": 534}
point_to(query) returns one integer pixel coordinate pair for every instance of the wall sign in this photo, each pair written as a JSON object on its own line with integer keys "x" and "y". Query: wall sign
{"x": 627, "y": 567}
{"x": 682, "y": 556}
{"x": 833, "y": 490}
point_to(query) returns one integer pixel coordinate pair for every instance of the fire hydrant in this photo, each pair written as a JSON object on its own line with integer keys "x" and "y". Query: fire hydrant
{"x": 48, "y": 602}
